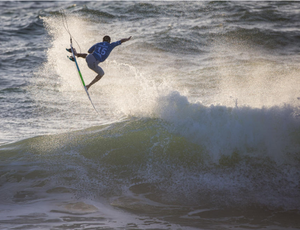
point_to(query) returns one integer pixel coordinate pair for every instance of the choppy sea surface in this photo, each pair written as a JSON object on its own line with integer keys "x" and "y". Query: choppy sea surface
{"x": 198, "y": 124}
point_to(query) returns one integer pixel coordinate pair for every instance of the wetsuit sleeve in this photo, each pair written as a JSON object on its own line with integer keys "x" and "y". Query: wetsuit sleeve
{"x": 114, "y": 44}
{"x": 91, "y": 50}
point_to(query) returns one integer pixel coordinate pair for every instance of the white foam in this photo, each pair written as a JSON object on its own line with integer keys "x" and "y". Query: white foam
{"x": 268, "y": 132}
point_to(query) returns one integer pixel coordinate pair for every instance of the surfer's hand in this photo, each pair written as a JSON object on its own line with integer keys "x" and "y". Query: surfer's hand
{"x": 125, "y": 39}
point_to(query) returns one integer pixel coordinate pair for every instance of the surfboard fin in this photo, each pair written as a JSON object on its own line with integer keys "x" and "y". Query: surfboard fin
{"x": 70, "y": 51}
{"x": 71, "y": 58}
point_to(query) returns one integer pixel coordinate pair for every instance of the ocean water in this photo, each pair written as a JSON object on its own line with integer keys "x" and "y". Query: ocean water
{"x": 198, "y": 124}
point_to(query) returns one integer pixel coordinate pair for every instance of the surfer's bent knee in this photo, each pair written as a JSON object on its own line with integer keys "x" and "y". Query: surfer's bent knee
{"x": 93, "y": 65}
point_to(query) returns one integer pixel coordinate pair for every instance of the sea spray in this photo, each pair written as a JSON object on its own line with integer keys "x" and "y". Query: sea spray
{"x": 265, "y": 132}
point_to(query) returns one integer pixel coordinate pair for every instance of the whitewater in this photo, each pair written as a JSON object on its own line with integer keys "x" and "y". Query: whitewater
{"x": 198, "y": 124}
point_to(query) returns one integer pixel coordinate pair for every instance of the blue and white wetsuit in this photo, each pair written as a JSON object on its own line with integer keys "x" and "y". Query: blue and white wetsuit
{"x": 102, "y": 50}
{"x": 98, "y": 53}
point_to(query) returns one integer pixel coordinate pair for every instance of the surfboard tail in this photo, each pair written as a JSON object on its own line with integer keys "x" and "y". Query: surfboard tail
{"x": 90, "y": 99}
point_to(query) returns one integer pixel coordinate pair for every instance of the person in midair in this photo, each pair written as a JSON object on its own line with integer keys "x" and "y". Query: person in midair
{"x": 97, "y": 54}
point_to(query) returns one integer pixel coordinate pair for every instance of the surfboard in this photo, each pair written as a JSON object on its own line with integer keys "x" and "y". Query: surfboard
{"x": 80, "y": 76}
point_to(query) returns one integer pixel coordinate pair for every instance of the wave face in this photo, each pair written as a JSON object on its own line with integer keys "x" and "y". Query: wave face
{"x": 178, "y": 160}
{"x": 191, "y": 154}
{"x": 199, "y": 117}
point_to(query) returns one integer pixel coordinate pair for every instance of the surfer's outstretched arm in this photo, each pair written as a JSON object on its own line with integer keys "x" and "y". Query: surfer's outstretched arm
{"x": 82, "y": 55}
{"x": 125, "y": 39}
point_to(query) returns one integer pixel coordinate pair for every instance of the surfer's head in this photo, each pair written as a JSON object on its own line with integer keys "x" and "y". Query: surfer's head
{"x": 106, "y": 39}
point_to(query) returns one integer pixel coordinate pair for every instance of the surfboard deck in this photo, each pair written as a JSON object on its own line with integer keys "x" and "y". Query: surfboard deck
{"x": 80, "y": 76}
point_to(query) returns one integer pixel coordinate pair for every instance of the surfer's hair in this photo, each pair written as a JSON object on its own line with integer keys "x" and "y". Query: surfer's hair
{"x": 106, "y": 39}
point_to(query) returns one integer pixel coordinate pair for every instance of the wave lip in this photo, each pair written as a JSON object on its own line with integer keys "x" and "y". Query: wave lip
{"x": 265, "y": 132}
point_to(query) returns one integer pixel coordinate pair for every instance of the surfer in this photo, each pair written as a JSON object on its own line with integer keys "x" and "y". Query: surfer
{"x": 98, "y": 53}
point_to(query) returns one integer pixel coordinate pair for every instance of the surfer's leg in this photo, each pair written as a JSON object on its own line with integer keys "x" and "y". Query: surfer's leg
{"x": 97, "y": 78}
{"x": 93, "y": 65}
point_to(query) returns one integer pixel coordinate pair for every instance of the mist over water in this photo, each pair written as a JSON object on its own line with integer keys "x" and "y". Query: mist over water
{"x": 198, "y": 125}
